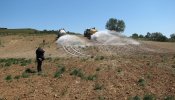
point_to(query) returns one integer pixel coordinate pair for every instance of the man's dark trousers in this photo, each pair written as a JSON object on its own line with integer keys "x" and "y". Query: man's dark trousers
{"x": 39, "y": 65}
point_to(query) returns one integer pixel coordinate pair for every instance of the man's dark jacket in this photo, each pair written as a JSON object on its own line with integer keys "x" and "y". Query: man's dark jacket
{"x": 40, "y": 54}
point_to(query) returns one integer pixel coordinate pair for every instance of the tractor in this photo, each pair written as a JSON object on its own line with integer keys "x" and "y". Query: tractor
{"x": 89, "y": 32}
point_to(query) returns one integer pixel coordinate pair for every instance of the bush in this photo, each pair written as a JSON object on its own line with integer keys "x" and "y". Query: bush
{"x": 8, "y": 78}
{"x": 149, "y": 97}
{"x": 7, "y": 64}
{"x": 98, "y": 69}
{"x": 25, "y": 62}
{"x": 9, "y": 61}
{"x": 98, "y": 86}
{"x": 136, "y": 98}
{"x": 25, "y": 75}
{"x": 77, "y": 72}
{"x": 101, "y": 98}
{"x": 59, "y": 72}
{"x": 17, "y": 77}
{"x": 169, "y": 98}
{"x": 99, "y": 58}
{"x": 28, "y": 70}
{"x": 92, "y": 77}
{"x": 141, "y": 82}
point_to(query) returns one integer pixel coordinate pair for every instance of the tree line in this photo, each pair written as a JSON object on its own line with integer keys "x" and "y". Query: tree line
{"x": 117, "y": 25}
{"x": 29, "y": 31}
{"x": 155, "y": 36}
{"x": 53, "y": 32}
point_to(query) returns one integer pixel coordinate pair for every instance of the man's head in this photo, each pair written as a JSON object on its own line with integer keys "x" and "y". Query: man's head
{"x": 40, "y": 49}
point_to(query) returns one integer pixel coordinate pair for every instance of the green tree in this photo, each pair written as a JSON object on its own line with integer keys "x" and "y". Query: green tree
{"x": 115, "y": 24}
{"x": 172, "y": 36}
{"x": 141, "y": 36}
{"x": 148, "y": 35}
{"x": 135, "y": 36}
{"x": 157, "y": 36}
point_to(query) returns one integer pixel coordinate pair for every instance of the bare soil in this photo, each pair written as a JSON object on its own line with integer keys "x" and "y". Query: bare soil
{"x": 117, "y": 71}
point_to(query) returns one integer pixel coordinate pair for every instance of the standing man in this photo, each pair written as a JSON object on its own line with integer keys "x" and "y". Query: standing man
{"x": 39, "y": 58}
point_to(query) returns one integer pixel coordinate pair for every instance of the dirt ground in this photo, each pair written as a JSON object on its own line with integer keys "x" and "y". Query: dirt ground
{"x": 119, "y": 74}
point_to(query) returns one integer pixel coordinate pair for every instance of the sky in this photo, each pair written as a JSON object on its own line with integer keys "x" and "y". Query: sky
{"x": 140, "y": 16}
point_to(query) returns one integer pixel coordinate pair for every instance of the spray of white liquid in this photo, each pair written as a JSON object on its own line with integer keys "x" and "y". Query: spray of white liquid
{"x": 102, "y": 37}
{"x": 72, "y": 40}
{"x": 75, "y": 45}
{"x": 112, "y": 38}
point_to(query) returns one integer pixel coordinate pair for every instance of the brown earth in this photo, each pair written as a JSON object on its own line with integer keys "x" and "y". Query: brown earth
{"x": 117, "y": 71}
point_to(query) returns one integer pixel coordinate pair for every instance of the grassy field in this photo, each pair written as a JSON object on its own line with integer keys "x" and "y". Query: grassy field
{"x": 16, "y": 31}
{"x": 144, "y": 72}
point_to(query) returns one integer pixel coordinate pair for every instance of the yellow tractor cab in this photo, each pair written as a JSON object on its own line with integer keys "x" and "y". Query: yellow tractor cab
{"x": 89, "y": 32}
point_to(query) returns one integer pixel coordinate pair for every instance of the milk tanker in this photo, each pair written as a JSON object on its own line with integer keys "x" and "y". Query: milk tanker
{"x": 61, "y": 32}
